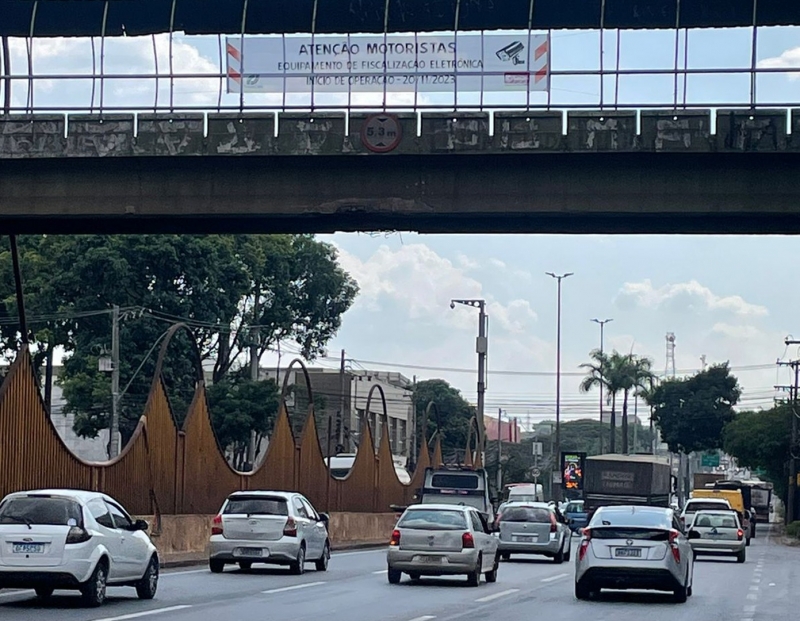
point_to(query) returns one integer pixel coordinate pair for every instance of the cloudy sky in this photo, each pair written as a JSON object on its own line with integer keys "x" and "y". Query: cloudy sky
{"x": 726, "y": 298}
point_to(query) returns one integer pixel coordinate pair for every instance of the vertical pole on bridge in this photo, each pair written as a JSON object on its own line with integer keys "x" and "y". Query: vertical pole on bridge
{"x": 23, "y": 324}
{"x": 6, "y": 52}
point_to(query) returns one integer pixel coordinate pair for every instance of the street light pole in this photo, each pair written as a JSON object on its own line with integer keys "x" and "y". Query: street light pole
{"x": 557, "y": 494}
{"x": 481, "y": 347}
{"x": 602, "y": 323}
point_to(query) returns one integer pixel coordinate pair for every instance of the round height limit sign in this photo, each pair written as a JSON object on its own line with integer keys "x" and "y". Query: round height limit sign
{"x": 381, "y": 133}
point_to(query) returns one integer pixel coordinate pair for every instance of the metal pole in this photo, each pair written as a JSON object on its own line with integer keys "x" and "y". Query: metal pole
{"x": 340, "y": 413}
{"x": 7, "y": 74}
{"x": 113, "y": 430}
{"x": 482, "y": 348}
{"x": 254, "y": 345}
{"x": 23, "y": 324}
{"x": 328, "y": 459}
{"x": 602, "y": 323}
{"x": 499, "y": 452}
{"x": 792, "y": 508}
{"x": 635, "y": 420}
{"x": 557, "y": 490}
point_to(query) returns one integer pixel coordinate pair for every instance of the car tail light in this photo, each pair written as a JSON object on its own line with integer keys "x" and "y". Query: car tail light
{"x": 395, "y": 540}
{"x": 740, "y": 534}
{"x": 673, "y": 538}
{"x": 77, "y": 534}
{"x": 583, "y": 548}
{"x": 290, "y": 530}
{"x": 467, "y": 540}
{"x": 216, "y": 525}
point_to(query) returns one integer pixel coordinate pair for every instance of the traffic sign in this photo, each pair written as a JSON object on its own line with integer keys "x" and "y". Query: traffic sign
{"x": 381, "y": 133}
{"x": 536, "y": 473}
{"x": 536, "y": 447}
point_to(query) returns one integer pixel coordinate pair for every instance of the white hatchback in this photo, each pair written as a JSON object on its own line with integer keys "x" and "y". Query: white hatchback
{"x": 77, "y": 540}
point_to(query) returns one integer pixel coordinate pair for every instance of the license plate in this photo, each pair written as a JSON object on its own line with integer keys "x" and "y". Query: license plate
{"x": 628, "y": 552}
{"x": 433, "y": 560}
{"x": 28, "y": 548}
{"x": 251, "y": 552}
{"x": 525, "y": 539}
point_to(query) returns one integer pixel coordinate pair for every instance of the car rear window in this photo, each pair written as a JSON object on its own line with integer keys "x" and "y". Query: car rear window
{"x": 256, "y": 505}
{"x": 692, "y": 507}
{"x": 44, "y": 510}
{"x": 636, "y": 519}
{"x": 574, "y": 507}
{"x": 454, "y": 481}
{"x": 715, "y": 521}
{"x": 433, "y": 519}
{"x": 525, "y": 514}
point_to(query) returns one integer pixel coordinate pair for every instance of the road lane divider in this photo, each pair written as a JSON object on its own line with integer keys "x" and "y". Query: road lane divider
{"x": 554, "y": 578}
{"x": 382, "y": 571}
{"x": 295, "y": 587}
{"x": 494, "y": 596}
{"x": 146, "y": 613}
{"x": 423, "y": 618}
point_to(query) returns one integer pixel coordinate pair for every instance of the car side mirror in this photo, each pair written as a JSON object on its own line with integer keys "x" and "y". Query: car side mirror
{"x": 693, "y": 534}
{"x": 324, "y": 517}
{"x": 140, "y": 525}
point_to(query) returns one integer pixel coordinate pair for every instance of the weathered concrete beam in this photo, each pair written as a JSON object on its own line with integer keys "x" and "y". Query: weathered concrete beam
{"x": 751, "y": 130}
{"x": 241, "y": 134}
{"x": 681, "y": 131}
{"x": 32, "y": 136}
{"x": 109, "y": 135}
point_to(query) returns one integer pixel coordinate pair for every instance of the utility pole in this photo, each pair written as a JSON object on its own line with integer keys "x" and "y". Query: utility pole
{"x": 792, "y": 510}
{"x": 254, "y": 345}
{"x": 113, "y": 430}
{"x": 499, "y": 452}
{"x": 602, "y": 323}
{"x": 342, "y": 403}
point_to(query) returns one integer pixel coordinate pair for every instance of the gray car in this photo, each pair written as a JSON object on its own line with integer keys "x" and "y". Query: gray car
{"x": 634, "y": 547}
{"x": 276, "y": 528}
{"x": 718, "y": 533}
{"x": 533, "y": 528}
{"x": 442, "y": 540}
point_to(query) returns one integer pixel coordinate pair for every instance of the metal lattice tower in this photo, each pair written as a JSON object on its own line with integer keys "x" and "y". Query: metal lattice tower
{"x": 669, "y": 370}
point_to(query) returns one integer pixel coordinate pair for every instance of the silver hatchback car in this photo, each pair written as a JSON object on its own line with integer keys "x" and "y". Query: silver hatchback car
{"x": 533, "y": 528}
{"x": 441, "y": 540}
{"x": 634, "y": 547}
{"x": 718, "y": 533}
{"x": 277, "y": 528}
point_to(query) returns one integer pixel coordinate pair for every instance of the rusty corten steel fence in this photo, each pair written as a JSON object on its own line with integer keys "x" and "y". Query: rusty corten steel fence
{"x": 167, "y": 470}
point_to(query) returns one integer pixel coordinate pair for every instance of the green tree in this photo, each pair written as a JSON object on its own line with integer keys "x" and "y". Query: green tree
{"x": 238, "y": 406}
{"x": 603, "y": 371}
{"x": 454, "y": 413}
{"x": 692, "y": 412}
{"x": 632, "y": 373}
{"x": 762, "y": 440}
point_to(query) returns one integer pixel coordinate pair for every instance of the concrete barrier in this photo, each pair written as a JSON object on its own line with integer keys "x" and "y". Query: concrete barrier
{"x": 184, "y": 538}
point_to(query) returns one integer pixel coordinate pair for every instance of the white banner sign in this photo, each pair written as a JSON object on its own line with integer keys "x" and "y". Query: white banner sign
{"x": 471, "y": 62}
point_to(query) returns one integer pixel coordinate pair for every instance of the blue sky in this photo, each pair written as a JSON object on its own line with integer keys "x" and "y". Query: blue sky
{"x": 728, "y": 298}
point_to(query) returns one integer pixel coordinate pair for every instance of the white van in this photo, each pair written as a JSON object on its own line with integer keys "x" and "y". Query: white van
{"x": 525, "y": 492}
{"x": 342, "y": 463}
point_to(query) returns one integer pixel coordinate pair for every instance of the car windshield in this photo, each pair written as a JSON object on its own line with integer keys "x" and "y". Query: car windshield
{"x": 433, "y": 519}
{"x": 256, "y": 505}
{"x": 525, "y": 514}
{"x": 44, "y": 510}
{"x": 693, "y": 506}
{"x": 712, "y": 520}
{"x": 574, "y": 507}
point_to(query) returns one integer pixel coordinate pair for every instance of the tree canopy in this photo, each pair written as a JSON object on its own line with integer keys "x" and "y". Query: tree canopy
{"x": 692, "y": 412}
{"x": 454, "y": 414}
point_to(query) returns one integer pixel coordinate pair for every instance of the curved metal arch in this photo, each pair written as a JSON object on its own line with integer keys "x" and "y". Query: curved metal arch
{"x": 473, "y": 427}
{"x": 285, "y": 387}
{"x": 438, "y": 420}
{"x": 162, "y": 354}
{"x": 384, "y": 415}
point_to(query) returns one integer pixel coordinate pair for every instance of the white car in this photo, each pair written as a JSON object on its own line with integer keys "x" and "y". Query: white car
{"x": 277, "y": 528}
{"x": 77, "y": 540}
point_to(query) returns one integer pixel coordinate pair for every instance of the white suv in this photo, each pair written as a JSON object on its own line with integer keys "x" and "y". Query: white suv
{"x": 71, "y": 539}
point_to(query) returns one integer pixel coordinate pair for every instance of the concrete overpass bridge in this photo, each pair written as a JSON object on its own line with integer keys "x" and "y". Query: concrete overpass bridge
{"x": 654, "y": 171}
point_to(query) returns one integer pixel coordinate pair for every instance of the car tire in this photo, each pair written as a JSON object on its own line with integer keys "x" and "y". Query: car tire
{"x": 44, "y": 592}
{"x": 681, "y": 593}
{"x": 93, "y": 591}
{"x": 245, "y": 565}
{"x": 394, "y": 575}
{"x": 321, "y": 563}
{"x": 690, "y": 591}
{"x": 558, "y": 559}
{"x": 298, "y": 567}
{"x": 748, "y": 542}
{"x": 148, "y": 584}
{"x": 741, "y": 557}
{"x": 582, "y": 591}
{"x": 491, "y": 575}
{"x": 474, "y": 577}
{"x": 506, "y": 556}
{"x": 568, "y": 554}
{"x": 216, "y": 566}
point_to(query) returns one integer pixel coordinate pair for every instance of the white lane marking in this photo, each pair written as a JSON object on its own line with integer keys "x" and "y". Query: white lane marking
{"x": 749, "y": 609}
{"x": 185, "y": 573}
{"x": 294, "y": 587}
{"x": 489, "y": 598}
{"x": 381, "y": 549}
{"x": 553, "y": 578}
{"x": 424, "y": 618}
{"x": 146, "y": 613}
{"x": 752, "y": 596}
{"x": 382, "y": 571}
{"x": 754, "y": 588}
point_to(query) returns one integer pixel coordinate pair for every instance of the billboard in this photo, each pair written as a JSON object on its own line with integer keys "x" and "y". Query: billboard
{"x": 572, "y": 469}
{"x": 402, "y": 63}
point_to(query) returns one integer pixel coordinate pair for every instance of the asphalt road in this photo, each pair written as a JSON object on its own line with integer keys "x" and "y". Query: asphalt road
{"x": 355, "y": 588}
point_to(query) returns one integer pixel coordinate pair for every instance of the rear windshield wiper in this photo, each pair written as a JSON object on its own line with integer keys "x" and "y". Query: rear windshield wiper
{"x": 18, "y": 519}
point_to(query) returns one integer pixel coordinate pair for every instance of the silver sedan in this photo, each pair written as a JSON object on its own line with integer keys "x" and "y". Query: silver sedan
{"x": 533, "y": 528}
{"x": 718, "y": 533}
{"x": 441, "y": 540}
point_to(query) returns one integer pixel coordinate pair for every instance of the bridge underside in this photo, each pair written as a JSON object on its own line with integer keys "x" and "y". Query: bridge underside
{"x": 663, "y": 172}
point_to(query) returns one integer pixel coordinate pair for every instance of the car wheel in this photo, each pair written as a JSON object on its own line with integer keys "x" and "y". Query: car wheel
{"x": 148, "y": 585}
{"x": 741, "y": 557}
{"x": 680, "y": 594}
{"x": 93, "y": 591}
{"x": 559, "y": 557}
{"x": 298, "y": 567}
{"x": 44, "y": 592}
{"x": 690, "y": 591}
{"x": 505, "y": 556}
{"x": 474, "y": 578}
{"x": 748, "y": 542}
{"x": 394, "y": 576}
{"x": 216, "y": 566}
{"x": 582, "y": 591}
{"x": 322, "y": 563}
{"x": 491, "y": 575}
{"x": 568, "y": 553}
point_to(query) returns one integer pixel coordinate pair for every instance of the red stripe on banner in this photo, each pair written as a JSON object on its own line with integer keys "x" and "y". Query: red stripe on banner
{"x": 541, "y": 50}
{"x": 234, "y": 75}
{"x": 232, "y": 51}
{"x": 541, "y": 74}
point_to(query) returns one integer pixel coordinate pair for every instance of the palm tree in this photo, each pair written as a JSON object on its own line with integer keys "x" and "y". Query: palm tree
{"x": 600, "y": 373}
{"x": 633, "y": 373}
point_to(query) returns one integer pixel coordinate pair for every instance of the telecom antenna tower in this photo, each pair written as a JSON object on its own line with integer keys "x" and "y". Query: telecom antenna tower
{"x": 669, "y": 370}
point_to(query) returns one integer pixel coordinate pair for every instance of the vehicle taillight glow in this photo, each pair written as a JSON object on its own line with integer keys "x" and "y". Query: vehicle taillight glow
{"x": 290, "y": 530}
{"x": 395, "y": 540}
{"x": 216, "y": 525}
{"x": 467, "y": 540}
{"x": 77, "y": 534}
{"x": 740, "y": 534}
{"x": 673, "y": 537}
{"x": 583, "y": 548}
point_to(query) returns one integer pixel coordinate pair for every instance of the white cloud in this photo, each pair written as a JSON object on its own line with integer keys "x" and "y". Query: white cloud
{"x": 787, "y": 60}
{"x": 422, "y": 282}
{"x": 497, "y": 263}
{"x": 692, "y": 294}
